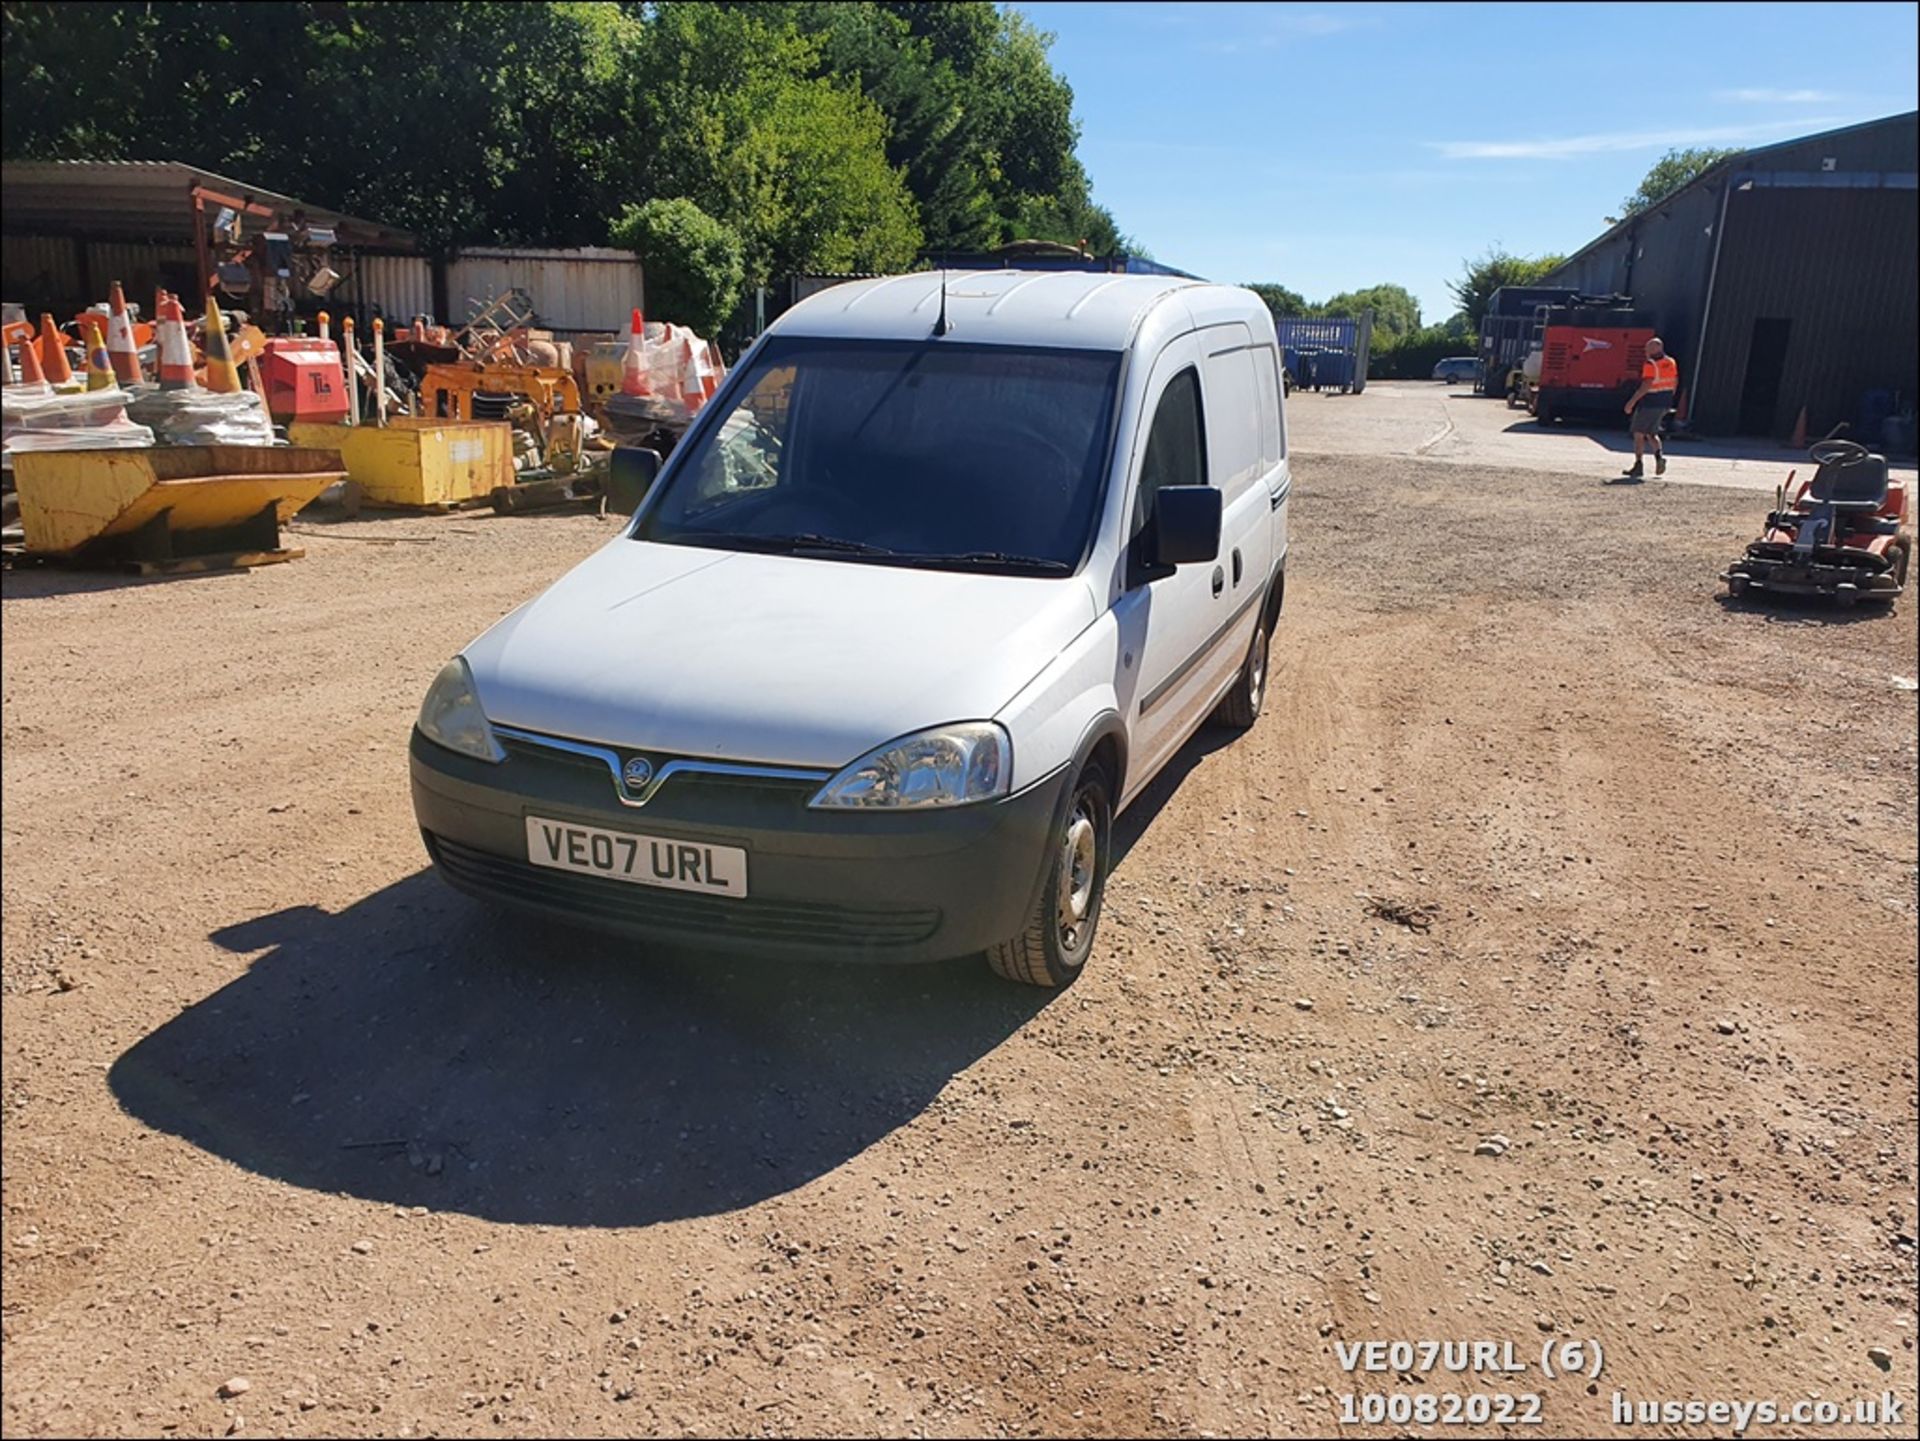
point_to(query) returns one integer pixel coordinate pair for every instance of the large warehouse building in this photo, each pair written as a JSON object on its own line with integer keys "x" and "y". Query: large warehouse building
{"x": 1782, "y": 279}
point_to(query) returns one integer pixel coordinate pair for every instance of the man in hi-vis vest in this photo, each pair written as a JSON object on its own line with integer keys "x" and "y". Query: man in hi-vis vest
{"x": 1659, "y": 380}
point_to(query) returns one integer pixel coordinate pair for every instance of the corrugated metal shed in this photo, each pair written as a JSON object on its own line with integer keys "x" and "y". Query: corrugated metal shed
{"x": 1786, "y": 257}
{"x": 147, "y": 200}
{"x": 1832, "y": 273}
{"x": 53, "y": 272}
{"x": 590, "y": 289}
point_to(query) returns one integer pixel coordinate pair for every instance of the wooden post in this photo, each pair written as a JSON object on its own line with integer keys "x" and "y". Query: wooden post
{"x": 352, "y": 358}
{"x": 380, "y": 370}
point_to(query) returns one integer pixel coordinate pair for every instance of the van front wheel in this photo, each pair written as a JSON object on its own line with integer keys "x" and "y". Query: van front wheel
{"x": 1058, "y": 936}
{"x": 1241, "y": 707}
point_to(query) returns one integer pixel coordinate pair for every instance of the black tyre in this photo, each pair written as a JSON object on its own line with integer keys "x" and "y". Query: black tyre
{"x": 1058, "y": 937}
{"x": 1241, "y": 708}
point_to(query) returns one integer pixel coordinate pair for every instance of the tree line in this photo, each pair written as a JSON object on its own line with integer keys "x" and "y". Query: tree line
{"x": 816, "y": 137}
{"x": 1404, "y": 348}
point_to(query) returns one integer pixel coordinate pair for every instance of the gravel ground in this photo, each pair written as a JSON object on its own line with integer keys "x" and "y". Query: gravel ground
{"x": 1541, "y": 966}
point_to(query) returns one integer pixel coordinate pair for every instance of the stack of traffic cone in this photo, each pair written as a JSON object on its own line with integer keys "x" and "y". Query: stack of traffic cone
{"x": 633, "y": 365}
{"x": 176, "y": 355}
{"x": 53, "y": 353}
{"x": 120, "y": 347}
{"x": 223, "y": 376}
{"x": 99, "y": 368}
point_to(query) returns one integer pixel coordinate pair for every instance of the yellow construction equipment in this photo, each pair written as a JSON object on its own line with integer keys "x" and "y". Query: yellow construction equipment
{"x": 170, "y": 508}
{"x": 415, "y": 461}
{"x": 451, "y": 388}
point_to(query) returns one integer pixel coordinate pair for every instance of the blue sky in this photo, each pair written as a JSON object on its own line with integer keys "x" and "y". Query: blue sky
{"x": 1335, "y": 146}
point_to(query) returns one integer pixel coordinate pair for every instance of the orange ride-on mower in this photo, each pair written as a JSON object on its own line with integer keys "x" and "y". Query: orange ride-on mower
{"x": 1840, "y": 536}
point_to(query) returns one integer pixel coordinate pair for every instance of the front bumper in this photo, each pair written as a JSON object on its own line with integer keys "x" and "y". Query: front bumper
{"x": 821, "y": 884}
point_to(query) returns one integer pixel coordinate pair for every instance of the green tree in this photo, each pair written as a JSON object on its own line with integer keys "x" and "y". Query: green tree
{"x": 1280, "y": 300}
{"x": 1672, "y": 171}
{"x": 1395, "y": 312}
{"x": 734, "y": 118}
{"x": 826, "y": 134}
{"x": 693, "y": 262}
{"x": 1480, "y": 278}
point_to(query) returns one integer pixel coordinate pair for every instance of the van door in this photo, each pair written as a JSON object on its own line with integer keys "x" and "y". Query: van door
{"x": 1275, "y": 470}
{"x": 1167, "y": 625}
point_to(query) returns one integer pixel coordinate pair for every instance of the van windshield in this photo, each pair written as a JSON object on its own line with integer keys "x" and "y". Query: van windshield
{"x": 900, "y": 453}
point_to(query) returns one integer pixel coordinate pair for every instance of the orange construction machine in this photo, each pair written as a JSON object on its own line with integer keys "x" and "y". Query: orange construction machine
{"x": 1585, "y": 359}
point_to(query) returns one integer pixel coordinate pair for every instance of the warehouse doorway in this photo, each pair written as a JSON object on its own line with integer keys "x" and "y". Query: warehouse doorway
{"x": 1766, "y": 363}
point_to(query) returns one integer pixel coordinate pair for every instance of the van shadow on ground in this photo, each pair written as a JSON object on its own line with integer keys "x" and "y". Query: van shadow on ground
{"x": 420, "y": 1049}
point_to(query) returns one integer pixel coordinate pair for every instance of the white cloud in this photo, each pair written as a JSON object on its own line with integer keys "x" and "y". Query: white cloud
{"x": 1278, "y": 28}
{"x": 1763, "y": 96}
{"x": 1567, "y": 146}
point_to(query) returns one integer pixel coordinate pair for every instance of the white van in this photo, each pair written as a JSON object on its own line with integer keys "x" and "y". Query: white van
{"x": 946, "y": 572}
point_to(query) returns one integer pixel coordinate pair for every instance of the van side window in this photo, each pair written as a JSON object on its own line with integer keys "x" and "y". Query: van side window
{"x": 1175, "y": 452}
{"x": 1273, "y": 435}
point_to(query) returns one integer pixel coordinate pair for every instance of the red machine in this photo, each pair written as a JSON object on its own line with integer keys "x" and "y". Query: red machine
{"x": 304, "y": 380}
{"x": 1589, "y": 357}
{"x": 1840, "y": 536}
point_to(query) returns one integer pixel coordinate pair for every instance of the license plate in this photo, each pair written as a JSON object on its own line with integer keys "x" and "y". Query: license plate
{"x": 644, "y": 860}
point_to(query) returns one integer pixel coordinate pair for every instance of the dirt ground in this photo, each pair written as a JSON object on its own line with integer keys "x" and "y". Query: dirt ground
{"x": 1542, "y": 966}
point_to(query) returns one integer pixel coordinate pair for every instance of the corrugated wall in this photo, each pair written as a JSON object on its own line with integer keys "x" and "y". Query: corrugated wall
{"x": 54, "y": 273}
{"x": 1662, "y": 262}
{"x": 39, "y": 270}
{"x": 1839, "y": 266}
{"x": 573, "y": 291}
{"x": 400, "y": 285}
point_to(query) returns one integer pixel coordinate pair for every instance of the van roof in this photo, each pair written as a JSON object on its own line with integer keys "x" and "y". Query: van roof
{"x": 1079, "y": 309}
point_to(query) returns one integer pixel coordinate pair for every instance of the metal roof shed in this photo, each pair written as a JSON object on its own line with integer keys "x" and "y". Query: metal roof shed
{"x": 1782, "y": 278}
{"x": 160, "y": 203}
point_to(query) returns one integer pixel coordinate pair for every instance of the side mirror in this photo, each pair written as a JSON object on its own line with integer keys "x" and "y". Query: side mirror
{"x": 1185, "y": 527}
{"x": 631, "y": 471}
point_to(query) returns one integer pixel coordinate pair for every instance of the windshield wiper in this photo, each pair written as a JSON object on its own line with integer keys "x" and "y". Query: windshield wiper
{"x": 992, "y": 559}
{"x": 778, "y": 544}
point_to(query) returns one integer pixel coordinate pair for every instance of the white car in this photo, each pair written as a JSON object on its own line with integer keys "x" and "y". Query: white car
{"x": 936, "y": 584}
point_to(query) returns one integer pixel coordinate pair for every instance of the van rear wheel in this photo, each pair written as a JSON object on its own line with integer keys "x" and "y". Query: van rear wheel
{"x": 1059, "y": 933}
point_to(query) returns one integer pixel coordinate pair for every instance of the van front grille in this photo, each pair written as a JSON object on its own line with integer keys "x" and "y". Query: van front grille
{"x": 677, "y": 914}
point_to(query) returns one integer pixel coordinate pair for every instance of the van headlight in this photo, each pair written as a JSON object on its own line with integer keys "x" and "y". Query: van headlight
{"x": 451, "y": 715}
{"x": 947, "y": 766}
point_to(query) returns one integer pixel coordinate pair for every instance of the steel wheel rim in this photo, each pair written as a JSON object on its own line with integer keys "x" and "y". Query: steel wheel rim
{"x": 1257, "y": 671}
{"x": 1079, "y": 858}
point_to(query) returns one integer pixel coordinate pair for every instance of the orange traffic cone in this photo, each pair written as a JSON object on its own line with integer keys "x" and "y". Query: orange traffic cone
{"x": 99, "y": 368}
{"x": 53, "y": 352}
{"x": 633, "y": 365}
{"x": 1799, "y": 441}
{"x": 223, "y": 376}
{"x": 176, "y": 355}
{"x": 120, "y": 347}
{"x": 30, "y": 370}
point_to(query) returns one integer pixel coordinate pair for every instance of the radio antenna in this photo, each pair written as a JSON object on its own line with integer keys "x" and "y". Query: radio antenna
{"x": 940, "y": 326}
